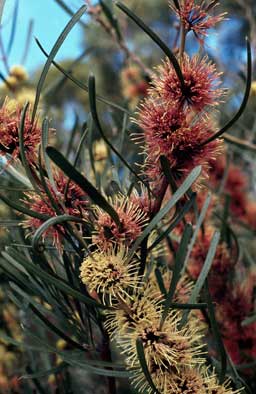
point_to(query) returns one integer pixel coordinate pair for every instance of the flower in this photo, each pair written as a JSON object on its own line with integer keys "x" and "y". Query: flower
{"x": 169, "y": 132}
{"x": 72, "y": 202}
{"x": 107, "y": 232}
{"x": 197, "y": 18}
{"x": 201, "y": 83}
{"x": 110, "y": 274}
{"x": 166, "y": 346}
{"x": 10, "y": 119}
{"x": 141, "y": 306}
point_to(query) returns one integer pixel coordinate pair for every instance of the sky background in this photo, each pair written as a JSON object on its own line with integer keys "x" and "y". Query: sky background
{"x": 49, "y": 20}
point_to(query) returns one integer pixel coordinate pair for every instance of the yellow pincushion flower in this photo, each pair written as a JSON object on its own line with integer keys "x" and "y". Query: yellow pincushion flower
{"x": 109, "y": 273}
{"x": 142, "y": 306}
{"x": 167, "y": 348}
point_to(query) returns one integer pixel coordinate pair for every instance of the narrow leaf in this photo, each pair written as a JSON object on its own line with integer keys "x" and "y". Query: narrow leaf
{"x": 52, "y": 222}
{"x": 143, "y": 364}
{"x": 188, "y": 182}
{"x": 156, "y": 39}
{"x": 244, "y": 102}
{"x": 81, "y": 181}
{"x": 176, "y": 273}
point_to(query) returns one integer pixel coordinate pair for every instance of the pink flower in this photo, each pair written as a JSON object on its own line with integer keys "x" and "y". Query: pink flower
{"x": 170, "y": 132}
{"x": 201, "y": 83}
{"x": 73, "y": 202}
{"x": 10, "y": 119}
{"x": 197, "y": 18}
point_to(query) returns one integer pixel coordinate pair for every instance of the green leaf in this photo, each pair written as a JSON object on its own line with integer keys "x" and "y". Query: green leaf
{"x": 143, "y": 364}
{"x": 22, "y": 148}
{"x": 93, "y": 108}
{"x": 176, "y": 273}
{"x": 216, "y": 332}
{"x": 245, "y": 99}
{"x": 112, "y": 18}
{"x": 55, "y": 281}
{"x": 203, "y": 274}
{"x": 23, "y": 209}
{"x": 191, "y": 178}
{"x": 197, "y": 229}
{"x": 82, "y": 85}
{"x": 181, "y": 213}
{"x": 52, "y": 222}
{"x": 249, "y": 320}
{"x": 156, "y": 39}
{"x": 71, "y": 359}
{"x": 48, "y": 372}
{"x": 81, "y": 181}
{"x": 75, "y": 18}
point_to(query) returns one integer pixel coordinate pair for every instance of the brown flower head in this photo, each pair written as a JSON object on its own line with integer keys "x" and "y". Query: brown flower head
{"x": 107, "y": 232}
{"x": 10, "y": 119}
{"x": 197, "y": 17}
{"x": 201, "y": 83}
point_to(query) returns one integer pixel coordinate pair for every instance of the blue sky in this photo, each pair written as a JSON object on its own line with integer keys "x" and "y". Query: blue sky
{"x": 49, "y": 20}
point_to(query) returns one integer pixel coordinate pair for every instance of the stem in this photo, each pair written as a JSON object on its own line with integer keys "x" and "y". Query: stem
{"x": 182, "y": 40}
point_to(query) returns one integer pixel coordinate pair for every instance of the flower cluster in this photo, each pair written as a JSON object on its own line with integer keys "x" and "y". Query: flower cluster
{"x": 174, "y": 116}
{"x": 10, "y": 123}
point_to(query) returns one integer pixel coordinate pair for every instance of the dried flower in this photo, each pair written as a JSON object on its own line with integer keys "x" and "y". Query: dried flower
{"x": 107, "y": 232}
{"x": 201, "y": 83}
{"x": 10, "y": 118}
{"x": 197, "y": 18}
{"x": 110, "y": 274}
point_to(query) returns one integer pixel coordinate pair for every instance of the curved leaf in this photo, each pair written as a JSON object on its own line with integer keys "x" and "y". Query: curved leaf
{"x": 52, "y": 222}
{"x": 157, "y": 40}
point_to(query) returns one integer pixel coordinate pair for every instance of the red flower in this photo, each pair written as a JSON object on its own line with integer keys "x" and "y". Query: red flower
{"x": 73, "y": 202}
{"x": 201, "y": 83}
{"x": 169, "y": 132}
{"x": 10, "y": 119}
{"x": 197, "y": 18}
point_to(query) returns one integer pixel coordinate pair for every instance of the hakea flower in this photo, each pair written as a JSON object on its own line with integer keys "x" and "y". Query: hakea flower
{"x": 110, "y": 274}
{"x": 10, "y": 119}
{"x": 196, "y": 17}
{"x": 191, "y": 381}
{"x": 222, "y": 265}
{"x": 167, "y": 346}
{"x": 108, "y": 233}
{"x": 169, "y": 132}
{"x": 71, "y": 201}
{"x": 201, "y": 83}
{"x": 140, "y": 308}
{"x": 237, "y": 305}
